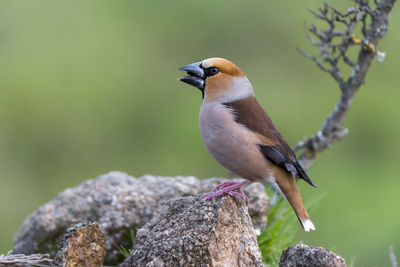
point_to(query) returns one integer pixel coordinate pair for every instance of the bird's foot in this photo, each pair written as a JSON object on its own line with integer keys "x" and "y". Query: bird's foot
{"x": 229, "y": 188}
{"x": 224, "y": 184}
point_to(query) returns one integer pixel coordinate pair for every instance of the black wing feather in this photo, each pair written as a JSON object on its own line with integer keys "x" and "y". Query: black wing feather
{"x": 278, "y": 158}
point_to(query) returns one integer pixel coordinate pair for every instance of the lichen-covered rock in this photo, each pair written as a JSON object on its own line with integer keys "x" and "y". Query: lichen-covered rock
{"x": 301, "y": 255}
{"x": 258, "y": 205}
{"x": 193, "y": 231}
{"x": 119, "y": 203}
{"x": 82, "y": 245}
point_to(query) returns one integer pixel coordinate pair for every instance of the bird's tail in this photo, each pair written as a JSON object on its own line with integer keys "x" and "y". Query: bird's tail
{"x": 307, "y": 224}
{"x": 293, "y": 196}
{"x": 302, "y": 215}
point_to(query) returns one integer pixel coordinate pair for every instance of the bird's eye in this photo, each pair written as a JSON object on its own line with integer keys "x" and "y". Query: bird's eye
{"x": 212, "y": 71}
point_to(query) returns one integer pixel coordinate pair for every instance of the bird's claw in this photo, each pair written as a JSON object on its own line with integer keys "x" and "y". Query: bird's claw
{"x": 229, "y": 188}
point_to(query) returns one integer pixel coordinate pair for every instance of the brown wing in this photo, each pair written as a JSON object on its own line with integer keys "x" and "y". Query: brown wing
{"x": 249, "y": 113}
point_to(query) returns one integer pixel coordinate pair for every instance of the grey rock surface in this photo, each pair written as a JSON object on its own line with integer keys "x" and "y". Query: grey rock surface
{"x": 301, "y": 255}
{"x": 193, "y": 231}
{"x": 21, "y": 260}
{"x": 118, "y": 202}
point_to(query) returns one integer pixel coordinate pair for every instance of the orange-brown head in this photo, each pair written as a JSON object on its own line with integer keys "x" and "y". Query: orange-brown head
{"x": 218, "y": 79}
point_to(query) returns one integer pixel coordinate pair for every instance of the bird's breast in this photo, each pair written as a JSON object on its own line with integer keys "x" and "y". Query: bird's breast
{"x": 219, "y": 129}
{"x": 230, "y": 143}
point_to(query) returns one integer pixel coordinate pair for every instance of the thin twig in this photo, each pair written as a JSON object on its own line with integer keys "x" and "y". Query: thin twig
{"x": 319, "y": 64}
{"x": 392, "y": 256}
{"x": 332, "y": 130}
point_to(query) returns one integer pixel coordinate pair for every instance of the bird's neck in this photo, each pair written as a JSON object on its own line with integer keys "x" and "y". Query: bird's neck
{"x": 240, "y": 88}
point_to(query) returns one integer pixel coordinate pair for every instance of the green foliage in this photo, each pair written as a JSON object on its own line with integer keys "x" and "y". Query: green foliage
{"x": 281, "y": 228}
{"x": 124, "y": 251}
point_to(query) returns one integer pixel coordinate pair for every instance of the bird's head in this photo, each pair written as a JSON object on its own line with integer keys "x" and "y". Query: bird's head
{"x": 218, "y": 79}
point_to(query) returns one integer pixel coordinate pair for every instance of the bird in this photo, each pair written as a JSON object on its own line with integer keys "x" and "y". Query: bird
{"x": 240, "y": 135}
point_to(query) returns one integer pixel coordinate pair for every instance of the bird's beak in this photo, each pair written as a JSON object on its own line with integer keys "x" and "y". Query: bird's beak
{"x": 195, "y": 75}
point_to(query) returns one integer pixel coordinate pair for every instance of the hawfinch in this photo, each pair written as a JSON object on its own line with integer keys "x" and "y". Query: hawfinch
{"x": 239, "y": 134}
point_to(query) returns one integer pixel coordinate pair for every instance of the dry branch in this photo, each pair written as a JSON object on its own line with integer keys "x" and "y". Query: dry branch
{"x": 331, "y": 52}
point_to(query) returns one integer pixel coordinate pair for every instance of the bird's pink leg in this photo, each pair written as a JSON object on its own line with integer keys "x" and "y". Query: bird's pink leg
{"x": 224, "y": 184}
{"x": 244, "y": 195}
{"x": 231, "y": 188}
{"x": 239, "y": 194}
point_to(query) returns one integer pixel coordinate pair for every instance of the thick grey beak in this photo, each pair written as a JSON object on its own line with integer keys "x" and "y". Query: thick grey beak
{"x": 195, "y": 75}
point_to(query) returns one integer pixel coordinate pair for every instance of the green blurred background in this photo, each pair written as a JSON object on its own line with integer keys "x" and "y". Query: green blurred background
{"x": 91, "y": 86}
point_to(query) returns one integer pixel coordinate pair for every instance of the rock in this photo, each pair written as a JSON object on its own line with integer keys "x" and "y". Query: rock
{"x": 21, "y": 260}
{"x": 119, "y": 203}
{"x": 258, "y": 205}
{"x": 301, "y": 255}
{"x": 82, "y": 245}
{"x": 193, "y": 231}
